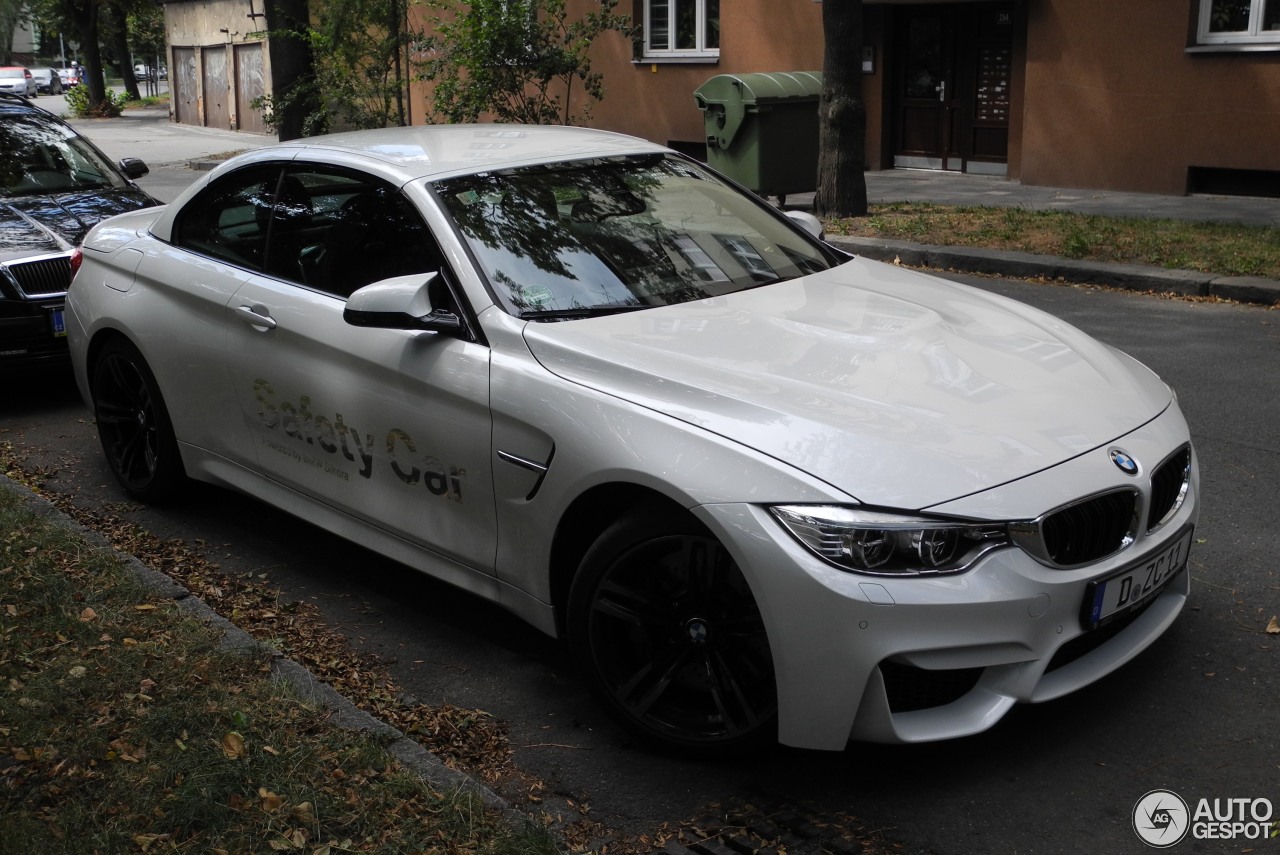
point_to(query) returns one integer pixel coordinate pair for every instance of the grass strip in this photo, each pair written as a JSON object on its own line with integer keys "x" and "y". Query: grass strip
{"x": 1226, "y": 249}
{"x": 125, "y": 728}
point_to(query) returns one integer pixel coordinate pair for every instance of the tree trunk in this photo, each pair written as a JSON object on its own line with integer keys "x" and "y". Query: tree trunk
{"x": 120, "y": 43}
{"x": 395, "y": 31}
{"x": 842, "y": 117}
{"x": 91, "y": 74}
{"x": 291, "y": 66}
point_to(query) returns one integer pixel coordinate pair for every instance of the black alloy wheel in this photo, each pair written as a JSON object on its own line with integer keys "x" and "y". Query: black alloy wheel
{"x": 665, "y": 627}
{"x": 133, "y": 424}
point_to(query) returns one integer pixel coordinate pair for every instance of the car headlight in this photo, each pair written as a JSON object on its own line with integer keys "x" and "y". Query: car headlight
{"x": 881, "y": 543}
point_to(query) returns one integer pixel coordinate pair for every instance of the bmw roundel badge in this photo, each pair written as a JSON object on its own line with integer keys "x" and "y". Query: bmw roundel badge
{"x": 1124, "y": 462}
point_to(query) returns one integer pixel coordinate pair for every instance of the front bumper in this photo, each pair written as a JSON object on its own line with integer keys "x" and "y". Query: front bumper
{"x": 889, "y": 659}
{"x": 28, "y": 337}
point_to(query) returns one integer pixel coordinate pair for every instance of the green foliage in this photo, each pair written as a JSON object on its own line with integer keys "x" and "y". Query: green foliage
{"x": 145, "y": 24}
{"x": 359, "y": 76}
{"x": 514, "y": 60}
{"x": 314, "y": 124}
{"x": 10, "y": 13}
{"x": 359, "y": 47}
{"x": 108, "y": 108}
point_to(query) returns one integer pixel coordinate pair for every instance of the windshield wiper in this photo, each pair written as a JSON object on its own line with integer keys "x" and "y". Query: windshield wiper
{"x": 576, "y": 313}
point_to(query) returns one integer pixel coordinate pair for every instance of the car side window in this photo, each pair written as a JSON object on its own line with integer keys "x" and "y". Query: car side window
{"x": 229, "y": 220}
{"x": 336, "y": 231}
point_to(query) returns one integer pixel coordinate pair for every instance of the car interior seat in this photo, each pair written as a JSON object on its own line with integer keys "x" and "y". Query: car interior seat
{"x": 375, "y": 236}
{"x": 286, "y": 223}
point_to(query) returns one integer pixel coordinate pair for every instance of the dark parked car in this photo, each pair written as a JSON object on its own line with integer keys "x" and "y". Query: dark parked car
{"x": 47, "y": 80}
{"x": 54, "y": 186}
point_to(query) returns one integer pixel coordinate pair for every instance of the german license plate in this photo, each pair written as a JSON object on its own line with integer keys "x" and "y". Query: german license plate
{"x": 58, "y": 321}
{"x": 1136, "y": 584}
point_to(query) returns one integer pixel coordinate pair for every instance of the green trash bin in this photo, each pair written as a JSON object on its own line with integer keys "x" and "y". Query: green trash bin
{"x": 762, "y": 129}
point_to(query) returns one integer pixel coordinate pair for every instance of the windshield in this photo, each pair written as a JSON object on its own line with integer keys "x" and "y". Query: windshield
{"x": 38, "y": 156}
{"x": 591, "y": 237}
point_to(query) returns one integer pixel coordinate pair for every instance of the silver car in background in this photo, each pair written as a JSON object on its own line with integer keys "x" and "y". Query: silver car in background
{"x": 18, "y": 80}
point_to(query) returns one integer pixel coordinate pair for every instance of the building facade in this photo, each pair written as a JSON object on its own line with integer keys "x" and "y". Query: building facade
{"x": 1160, "y": 96}
{"x": 218, "y": 63}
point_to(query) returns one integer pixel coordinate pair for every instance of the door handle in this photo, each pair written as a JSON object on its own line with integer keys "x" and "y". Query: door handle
{"x": 942, "y": 91}
{"x": 256, "y": 316}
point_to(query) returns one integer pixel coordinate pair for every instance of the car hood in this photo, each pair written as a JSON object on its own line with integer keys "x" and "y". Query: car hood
{"x": 899, "y": 389}
{"x": 35, "y": 225}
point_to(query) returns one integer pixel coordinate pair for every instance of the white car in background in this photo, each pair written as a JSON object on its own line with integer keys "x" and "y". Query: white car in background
{"x": 18, "y": 80}
{"x": 764, "y": 489}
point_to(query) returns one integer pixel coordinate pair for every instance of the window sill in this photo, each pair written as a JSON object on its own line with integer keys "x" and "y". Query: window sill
{"x": 1236, "y": 47}
{"x": 702, "y": 59}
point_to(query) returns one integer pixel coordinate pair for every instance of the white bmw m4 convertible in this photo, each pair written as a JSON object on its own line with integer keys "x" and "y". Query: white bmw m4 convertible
{"x": 764, "y": 489}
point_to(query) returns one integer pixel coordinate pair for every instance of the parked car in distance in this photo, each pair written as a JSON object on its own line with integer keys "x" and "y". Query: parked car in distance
{"x": 764, "y": 489}
{"x": 54, "y": 185}
{"x": 143, "y": 72}
{"x": 18, "y": 80}
{"x": 47, "y": 80}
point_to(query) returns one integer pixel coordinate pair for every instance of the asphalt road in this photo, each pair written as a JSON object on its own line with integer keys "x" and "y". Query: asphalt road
{"x": 1195, "y": 714}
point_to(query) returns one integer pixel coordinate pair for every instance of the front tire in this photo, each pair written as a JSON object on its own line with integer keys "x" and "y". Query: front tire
{"x": 664, "y": 626}
{"x": 133, "y": 424}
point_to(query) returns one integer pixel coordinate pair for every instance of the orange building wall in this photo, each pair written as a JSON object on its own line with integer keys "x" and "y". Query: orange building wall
{"x": 1113, "y": 99}
{"x": 655, "y": 101}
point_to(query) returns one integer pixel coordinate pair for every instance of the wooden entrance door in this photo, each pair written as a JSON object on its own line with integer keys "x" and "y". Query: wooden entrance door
{"x": 251, "y": 84}
{"x": 951, "y": 85}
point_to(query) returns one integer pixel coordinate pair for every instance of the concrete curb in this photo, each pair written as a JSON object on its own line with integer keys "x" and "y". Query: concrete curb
{"x": 1025, "y": 265}
{"x": 345, "y": 714}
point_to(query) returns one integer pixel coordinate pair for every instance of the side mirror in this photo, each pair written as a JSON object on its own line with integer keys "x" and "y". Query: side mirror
{"x": 400, "y": 303}
{"x": 808, "y": 222}
{"x": 133, "y": 168}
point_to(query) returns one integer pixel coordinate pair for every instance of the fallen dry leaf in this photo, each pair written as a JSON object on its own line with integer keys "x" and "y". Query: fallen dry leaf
{"x": 233, "y": 746}
{"x": 271, "y": 802}
{"x": 1274, "y": 627}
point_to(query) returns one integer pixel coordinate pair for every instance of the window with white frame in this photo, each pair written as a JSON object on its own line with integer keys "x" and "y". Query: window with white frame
{"x": 683, "y": 29}
{"x": 1239, "y": 22}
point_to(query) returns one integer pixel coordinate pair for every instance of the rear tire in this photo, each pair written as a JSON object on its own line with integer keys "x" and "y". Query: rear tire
{"x": 133, "y": 424}
{"x": 664, "y": 626}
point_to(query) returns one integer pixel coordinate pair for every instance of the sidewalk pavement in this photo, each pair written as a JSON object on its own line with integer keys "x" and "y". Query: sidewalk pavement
{"x": 174, "y": 152}
{"x": 147, "y": 133}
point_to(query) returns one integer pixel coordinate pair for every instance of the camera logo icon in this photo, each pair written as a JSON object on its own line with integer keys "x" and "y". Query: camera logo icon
{"x": 1161, "y": 819}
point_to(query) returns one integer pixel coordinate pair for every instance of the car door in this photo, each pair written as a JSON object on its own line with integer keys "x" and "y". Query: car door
{"x": 218, "y": 245}
{"x": 390, "y": 427}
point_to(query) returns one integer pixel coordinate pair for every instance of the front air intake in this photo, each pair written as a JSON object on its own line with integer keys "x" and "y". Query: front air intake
{"x": 1082, "y": 532}
{"x": 42, "y": 278}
